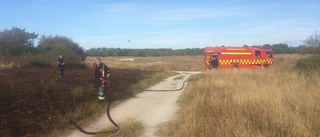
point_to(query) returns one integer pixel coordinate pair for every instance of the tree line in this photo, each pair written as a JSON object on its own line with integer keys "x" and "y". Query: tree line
{"x": 143, "y": 52}
{"x": 16, "y": 42}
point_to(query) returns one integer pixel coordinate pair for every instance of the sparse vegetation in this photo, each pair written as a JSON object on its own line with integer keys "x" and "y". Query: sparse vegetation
{"x": 273, "y": 102}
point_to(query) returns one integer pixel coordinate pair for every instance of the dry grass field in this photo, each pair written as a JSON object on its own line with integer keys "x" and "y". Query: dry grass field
{"x": 273, "y": 102}
{"x": 165, "y": 63}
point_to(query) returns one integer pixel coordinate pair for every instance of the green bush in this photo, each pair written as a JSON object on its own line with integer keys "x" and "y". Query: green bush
{"x": 309, "y": 64}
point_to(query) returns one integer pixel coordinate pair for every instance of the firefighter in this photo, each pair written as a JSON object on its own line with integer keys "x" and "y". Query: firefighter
{"x": 214, "y": 61}
{"x": 61, "y": 61}
{"x": 100, "y": 77}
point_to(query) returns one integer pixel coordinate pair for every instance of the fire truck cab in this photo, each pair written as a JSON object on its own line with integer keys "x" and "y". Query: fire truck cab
{"x": 238, "y": 57}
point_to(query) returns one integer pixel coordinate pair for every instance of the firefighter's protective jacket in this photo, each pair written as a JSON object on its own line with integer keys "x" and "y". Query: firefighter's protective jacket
{"x": 100, "y": 73}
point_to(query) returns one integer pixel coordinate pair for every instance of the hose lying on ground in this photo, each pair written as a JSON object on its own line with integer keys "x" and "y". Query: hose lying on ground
{"x": 173, "y": 89}
{"x": 62, "y": 112}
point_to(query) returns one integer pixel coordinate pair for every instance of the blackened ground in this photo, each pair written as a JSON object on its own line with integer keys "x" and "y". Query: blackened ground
{"x": 26, "y": 109}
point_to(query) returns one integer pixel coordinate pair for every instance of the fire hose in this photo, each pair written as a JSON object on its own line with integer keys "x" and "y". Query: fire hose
{"x": 63, "y": 113}
{"x": 54, "y": 72}
{"x": 108, "y": 113}
{"x": 183, "y": 85}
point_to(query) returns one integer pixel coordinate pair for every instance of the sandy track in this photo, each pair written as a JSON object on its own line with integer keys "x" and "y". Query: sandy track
{"x": 150, "y": 107}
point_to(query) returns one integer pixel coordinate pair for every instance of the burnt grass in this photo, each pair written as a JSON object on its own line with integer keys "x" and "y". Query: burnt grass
{"x": 26, "y": 108}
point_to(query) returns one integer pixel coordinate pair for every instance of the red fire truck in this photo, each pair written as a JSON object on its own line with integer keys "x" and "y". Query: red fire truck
{"x": 238, "y": 57}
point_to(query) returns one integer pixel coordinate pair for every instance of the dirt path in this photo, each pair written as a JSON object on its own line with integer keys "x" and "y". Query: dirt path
{"x": 150, "y": 107}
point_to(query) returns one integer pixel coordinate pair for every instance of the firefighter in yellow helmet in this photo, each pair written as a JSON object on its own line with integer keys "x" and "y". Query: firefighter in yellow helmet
{"x": 101, "y": 77}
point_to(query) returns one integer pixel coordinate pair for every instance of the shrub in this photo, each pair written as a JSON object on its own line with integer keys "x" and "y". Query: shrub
{"x": 311, "y": 63}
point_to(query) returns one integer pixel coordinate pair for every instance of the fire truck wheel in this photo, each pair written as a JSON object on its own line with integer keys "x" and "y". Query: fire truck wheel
{"x": 235, "y": 67}
{"x": 265, "y": 66}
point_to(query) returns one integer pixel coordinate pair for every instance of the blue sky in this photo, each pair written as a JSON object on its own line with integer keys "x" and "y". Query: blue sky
{"x": 175, "y": 24}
